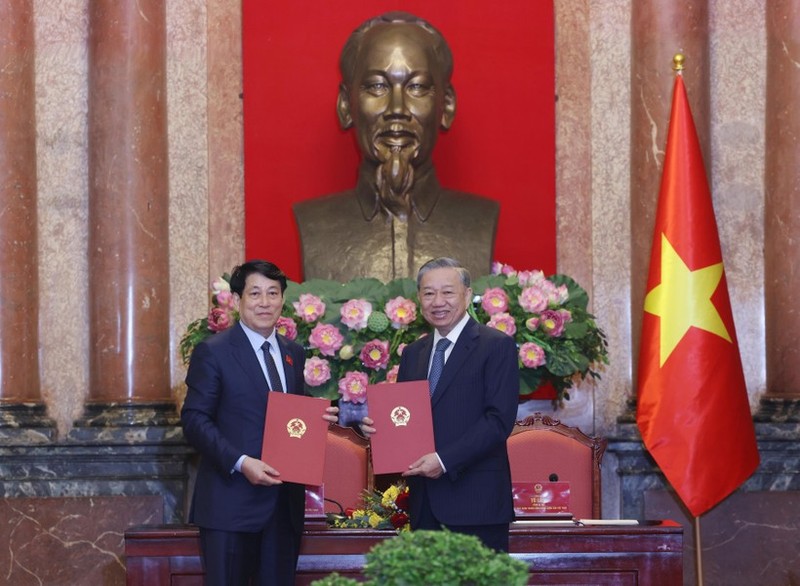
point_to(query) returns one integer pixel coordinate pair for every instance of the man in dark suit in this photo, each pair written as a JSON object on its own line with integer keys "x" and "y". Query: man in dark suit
{"x": 250, "y": 522}
{"x": 465, "y": 485}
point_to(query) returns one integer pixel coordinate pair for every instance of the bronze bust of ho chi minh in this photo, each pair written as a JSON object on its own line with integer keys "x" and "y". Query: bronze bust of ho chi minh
{"x": 396, "y": 92}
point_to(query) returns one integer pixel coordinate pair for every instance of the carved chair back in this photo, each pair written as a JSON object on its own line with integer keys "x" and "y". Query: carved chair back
{"x": 543, "y": 449}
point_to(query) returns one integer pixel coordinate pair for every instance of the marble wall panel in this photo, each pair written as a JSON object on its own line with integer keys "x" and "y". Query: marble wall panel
{"x": 69, "y": 541}
{"x": 729, "y": 534}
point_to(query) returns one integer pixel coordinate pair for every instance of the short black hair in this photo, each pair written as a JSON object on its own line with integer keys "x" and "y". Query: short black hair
{"x": 262, "y": 267}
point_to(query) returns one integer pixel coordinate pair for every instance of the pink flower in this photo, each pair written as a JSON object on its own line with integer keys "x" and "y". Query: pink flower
{"x": 220, "y": 285}
{"x": 533, "y": 300}
{"x": 391, "y": 375}
{"x": 499, "y": 268}
{"x": 355, "y": 313}
{"x": 532, "y": 323}
{"x": 400, "y": 347}
{"x": 495, "y": 300}
{"x": 528, "y": 278}
{"x": 219, "y": 319}
{"x": 353, "y": 387}
{"x": 326, "y": 338}
{"x": 562, "y": 294}
{"x": 309, "y": 307}
{"x": 375, "y": 354}
{"x": 553, "y": 322}
{"x": 531, "y": 355}
{"x": 401, "y": 311}
{"x": 504, "y": 323}
{"x": 317, "y": 371}
{"x": 286, "y": 327}
{"x": 224, "y": 299}
{"x": 556, "y": 295}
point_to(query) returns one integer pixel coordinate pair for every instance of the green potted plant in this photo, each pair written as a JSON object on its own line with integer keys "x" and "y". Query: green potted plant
{"x": 423, "y": 558}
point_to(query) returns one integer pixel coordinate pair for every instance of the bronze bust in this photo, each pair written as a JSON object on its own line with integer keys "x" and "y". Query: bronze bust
{"x": 396, "y": 92}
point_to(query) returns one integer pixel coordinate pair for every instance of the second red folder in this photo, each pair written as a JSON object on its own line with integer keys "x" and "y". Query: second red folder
{"x": 403, "y": 423}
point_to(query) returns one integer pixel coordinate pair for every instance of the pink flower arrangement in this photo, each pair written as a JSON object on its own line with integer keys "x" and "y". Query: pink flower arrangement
{"x": 326, "y": 338}
{"x": 401, "y": 311}
{"x": 358, "y": 344}
{"x": 317, "y": 371}
{"x": 309, "y": 307}
{"x": 353, "y": 387}
{"x": 355, "y": 313}
{"x": 375, "y": 354}
{"x": 558, "y": 340}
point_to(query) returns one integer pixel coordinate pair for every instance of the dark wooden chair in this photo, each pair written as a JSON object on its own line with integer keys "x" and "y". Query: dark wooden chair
{"x": 543, "y": 449}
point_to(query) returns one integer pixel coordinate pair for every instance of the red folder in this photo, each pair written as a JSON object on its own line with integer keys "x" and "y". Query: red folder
{"x": 295, "y": 436}
{"x": 403, "y": 424}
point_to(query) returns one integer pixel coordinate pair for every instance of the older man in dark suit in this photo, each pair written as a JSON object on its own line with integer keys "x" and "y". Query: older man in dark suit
{"x": 250, "y": 521}
{"x": 465, "y": 485}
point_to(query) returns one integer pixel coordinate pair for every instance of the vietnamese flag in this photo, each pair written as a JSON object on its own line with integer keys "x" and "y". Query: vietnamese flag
{"x": 692, "y": 409}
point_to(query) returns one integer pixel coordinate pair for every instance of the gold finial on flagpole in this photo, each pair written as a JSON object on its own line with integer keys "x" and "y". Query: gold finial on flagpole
{"x": 677, "y": 62}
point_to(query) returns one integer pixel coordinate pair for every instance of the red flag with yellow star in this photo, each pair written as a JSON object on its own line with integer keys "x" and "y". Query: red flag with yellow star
{"x": 692, "y": 409}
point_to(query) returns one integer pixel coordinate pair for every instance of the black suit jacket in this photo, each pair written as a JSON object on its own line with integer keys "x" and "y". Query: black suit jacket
{"x": 223, "y": 418}
{"x": 474, "y": 409}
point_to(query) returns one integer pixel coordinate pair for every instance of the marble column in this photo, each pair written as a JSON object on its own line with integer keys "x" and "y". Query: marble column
{"x": 660, "y": 29}
{"x": 128, "y": 215}
{"x": 781, "y": 210}
{"x": 21, "y": 407}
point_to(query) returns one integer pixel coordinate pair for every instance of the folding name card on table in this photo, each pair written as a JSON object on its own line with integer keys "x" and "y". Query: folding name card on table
{"x": 295, "y": 436}
{"x": 537, "y": 499}
{"x": 402, "y": 416}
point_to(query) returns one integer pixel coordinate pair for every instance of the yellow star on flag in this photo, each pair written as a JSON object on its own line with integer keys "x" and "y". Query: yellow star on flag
{"x": 683, "y": 300}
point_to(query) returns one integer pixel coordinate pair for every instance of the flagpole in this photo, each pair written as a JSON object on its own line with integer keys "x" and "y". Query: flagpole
{"x": 698, "y": 551}
{"x": 677, "y": 64}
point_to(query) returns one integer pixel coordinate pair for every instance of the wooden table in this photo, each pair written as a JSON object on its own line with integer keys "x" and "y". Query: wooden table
{"x": 647, "y": 554}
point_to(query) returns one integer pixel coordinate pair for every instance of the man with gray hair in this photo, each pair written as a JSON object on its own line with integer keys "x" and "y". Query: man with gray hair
{"x": 472, "y": 371}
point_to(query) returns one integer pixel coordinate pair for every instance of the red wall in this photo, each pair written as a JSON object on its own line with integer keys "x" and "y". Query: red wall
{"x": 501, "y": 145}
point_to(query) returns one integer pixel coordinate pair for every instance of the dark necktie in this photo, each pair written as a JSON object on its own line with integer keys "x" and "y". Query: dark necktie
{"x": 437, "y": 366}
{"x": 272, "y": 370}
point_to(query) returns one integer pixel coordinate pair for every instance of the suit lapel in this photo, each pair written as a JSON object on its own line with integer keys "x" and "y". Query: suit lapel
{"x": 467, "y": 341}
{"x": 243, "y": 353}
{"x": 288, "y": 365}
{"x": 423, "y": 359}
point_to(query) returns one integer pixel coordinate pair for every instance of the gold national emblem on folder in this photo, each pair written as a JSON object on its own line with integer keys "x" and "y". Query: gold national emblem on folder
{"x": 400, "y": 416}
{"x": 296, "y": 427}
